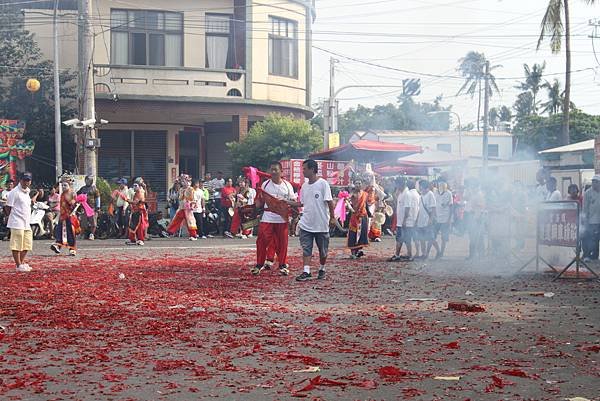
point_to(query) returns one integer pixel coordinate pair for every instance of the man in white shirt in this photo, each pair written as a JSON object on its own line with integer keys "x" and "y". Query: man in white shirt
{"x": 18, "y": 203}
{"x": 317, "y": 216}
{"x": 412, "y": 201}
{"x": 10, "y": 184}
{"x": 553, "y": 194}
{"x": 426, "y": 221}
{"x": 198, "y": 208}
{"x": 273, "y": 228}
{"x": 401, "y": 191}
{"x": 443, "y": 210}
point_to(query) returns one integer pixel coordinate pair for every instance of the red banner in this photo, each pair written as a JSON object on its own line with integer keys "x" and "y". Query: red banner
{"x": 332, "y": 171}
{"x": 558, "y": 223}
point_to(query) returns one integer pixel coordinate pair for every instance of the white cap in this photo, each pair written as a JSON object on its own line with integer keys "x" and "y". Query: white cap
{"x": 596, "y": 178}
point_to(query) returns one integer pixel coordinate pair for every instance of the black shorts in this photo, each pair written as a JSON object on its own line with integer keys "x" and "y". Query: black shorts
{"x": 425, "y": 233}
{"x": 444, "y": 230}
{"x": 306, "y": 242}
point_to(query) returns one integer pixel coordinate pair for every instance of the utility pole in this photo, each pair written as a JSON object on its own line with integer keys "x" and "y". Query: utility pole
{"x": 486, "y": 111}
{"x": 57, "y": 130}
{"x": 86, "y": 88}
{"x": 331, "y": 105}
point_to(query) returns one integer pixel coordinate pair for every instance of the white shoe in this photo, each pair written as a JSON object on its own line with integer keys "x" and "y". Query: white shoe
{"x": 203, "y": 237}
{"x": 24, "y": 268}
{"x": 250, "y": 236}
{"x": 140, "y": 243}
{"x": 377, "y": 239}
{"x": 193, "y": 239}
{"x": 243, "y": 236}
{"x": 72, "y": 252}
{"x": 92, "y": 237}
{"x": 211, "y": 236}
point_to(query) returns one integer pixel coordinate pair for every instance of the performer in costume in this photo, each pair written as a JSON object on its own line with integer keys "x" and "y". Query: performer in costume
{"x": 186, "y": 207}
{"x": 375, "y": 203}
{"x": 359, "y": 222}
{"x": 65, "y": 231}
{"x": 245, "y": 197}
{"x": 138, "y": 221}
{"x": 273, "y": 229}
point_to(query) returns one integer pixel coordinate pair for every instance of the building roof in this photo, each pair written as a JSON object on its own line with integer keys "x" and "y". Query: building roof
{"x": 417, "y": 134}
{"x": 369, "y": 146}
{"x": 574, "y": 147}
{"x": 430, "y": 158}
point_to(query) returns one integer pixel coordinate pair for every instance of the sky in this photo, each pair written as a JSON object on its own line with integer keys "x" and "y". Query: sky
{"x": 426, "y": 38}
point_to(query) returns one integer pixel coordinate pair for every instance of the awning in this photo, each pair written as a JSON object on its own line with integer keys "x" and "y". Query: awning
{"x": 574, "y": 147}
{"x": 430, "y": 158}
{"x": 365, "y": 148}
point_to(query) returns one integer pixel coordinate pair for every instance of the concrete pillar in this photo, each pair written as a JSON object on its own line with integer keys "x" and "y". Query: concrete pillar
{"x": 240, "y": 127}
{"x": 172, "y": 155}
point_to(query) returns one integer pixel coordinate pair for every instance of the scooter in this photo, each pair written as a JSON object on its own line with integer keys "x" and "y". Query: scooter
{"x": 211, "y": 219}
{"x": 39, "y": 225}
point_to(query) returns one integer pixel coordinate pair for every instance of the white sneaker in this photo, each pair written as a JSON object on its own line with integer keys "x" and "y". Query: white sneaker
{"x": 243, "y": 236}
{"x": 24, "y": 268}
{"x": 140, "y": 243}
{"x": 193, "y": 239}
{"x": 203, "y": 237}
{"x": 210, "y": 236}
{"x": 377, "y": 239}
{"x": 72, "y": 252}
{"x": 92, "y": 237}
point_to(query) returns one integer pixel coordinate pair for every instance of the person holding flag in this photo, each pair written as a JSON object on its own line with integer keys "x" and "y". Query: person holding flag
{"x": 273, "y": 196}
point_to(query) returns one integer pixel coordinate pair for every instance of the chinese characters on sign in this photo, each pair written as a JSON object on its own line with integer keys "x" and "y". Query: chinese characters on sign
{"x": 558, "y": 223}
{"x": 332, "y": 171}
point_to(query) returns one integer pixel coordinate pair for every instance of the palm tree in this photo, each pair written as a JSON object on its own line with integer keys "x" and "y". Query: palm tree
{"x": 505, "y": 114}
{"x": 555, "y": 98}
{"x": 472, "y": 68}
{"x": 533, "y": 81}
{"x": 553, "y": 27}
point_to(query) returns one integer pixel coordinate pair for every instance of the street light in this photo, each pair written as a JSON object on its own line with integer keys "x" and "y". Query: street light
{"x": 432, "y": 113}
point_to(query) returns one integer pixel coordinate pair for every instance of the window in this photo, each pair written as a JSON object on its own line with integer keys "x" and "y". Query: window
{"x": 218, "y": 40}
{"x": 493, "y": 150}
{"x": 140, "y": 37}
{"x": 283, "y": 47}
{"x": 444, "y": 147}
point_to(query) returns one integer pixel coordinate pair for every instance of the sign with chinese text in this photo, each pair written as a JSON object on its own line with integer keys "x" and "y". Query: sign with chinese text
{"x": 558, "y": 223}
{"x": 332, "y": 171}
{"x": 334, "y": 140}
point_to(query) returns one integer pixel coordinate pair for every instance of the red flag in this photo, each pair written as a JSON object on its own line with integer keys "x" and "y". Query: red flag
{"x": 275, "y": 205}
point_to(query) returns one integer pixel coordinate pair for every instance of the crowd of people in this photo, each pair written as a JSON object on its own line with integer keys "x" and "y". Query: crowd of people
{"x": 421, "y": 215}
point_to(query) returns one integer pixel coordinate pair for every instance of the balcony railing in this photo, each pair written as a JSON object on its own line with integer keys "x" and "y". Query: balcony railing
{"x": 158, "y": 81}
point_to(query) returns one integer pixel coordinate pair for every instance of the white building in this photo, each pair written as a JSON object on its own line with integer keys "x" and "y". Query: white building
{"x": 468, "y": 144}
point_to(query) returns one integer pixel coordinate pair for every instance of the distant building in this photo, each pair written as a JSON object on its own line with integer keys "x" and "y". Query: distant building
{"x": 189, "y": 76}
{"x": 500, "y": 143}
{"x": 578, "y": 155}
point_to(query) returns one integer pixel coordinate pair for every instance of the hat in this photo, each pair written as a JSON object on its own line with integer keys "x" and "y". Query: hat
{"x": 122, "y": 181}
{"x": 26, "y": 176}
{"x": 596, "y": 178}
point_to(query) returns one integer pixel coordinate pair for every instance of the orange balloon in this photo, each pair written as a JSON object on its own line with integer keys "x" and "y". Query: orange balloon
{"x": 33, "y": 85}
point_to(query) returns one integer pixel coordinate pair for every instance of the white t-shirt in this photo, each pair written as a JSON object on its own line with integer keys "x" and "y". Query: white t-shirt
{"x": 20, "y": 212}
{"x": 427, "y": 204}
{"x": 554, "y": 196}
{"x": 400, "y": 207}
{"x": 283, "y": 191}
{"x": 251, "y": 196}
{"x": 443, "y": 205}
{"x": 315, "y": 213}
{"x": 412, "y": 199}
{"x": 198, "y": 196}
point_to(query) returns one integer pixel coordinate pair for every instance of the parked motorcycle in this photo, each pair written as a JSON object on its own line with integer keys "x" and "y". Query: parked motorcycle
{"x": 211, "y": 219}
{"x": 40, "y": 226}
{"x": 107, "y": 226}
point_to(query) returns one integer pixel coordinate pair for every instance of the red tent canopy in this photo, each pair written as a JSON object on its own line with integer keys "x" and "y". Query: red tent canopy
{"x": 365, "y": 150}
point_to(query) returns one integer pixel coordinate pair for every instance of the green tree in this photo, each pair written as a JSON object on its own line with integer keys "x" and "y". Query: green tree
{"x": 555, "y": 98}
{"x": 533, "y": 81}
{"x": 556, "y": 24}
{"x": 537, "y": 133}
{"x": 276, "y": 137}
{"x": 472, "y": 68}
{"x": 524, "y": 105}
{"x": 505, "y": 114}
{"x": 20, "y": 59}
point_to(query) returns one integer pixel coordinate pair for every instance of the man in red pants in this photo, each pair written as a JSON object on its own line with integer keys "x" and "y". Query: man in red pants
{"x": 273, "y": 228}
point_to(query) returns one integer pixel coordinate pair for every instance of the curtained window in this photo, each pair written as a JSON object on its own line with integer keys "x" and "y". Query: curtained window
{"x": 283, "y": 47}
{"x": 218, "y": 40}
{"x": 140, "y": 37}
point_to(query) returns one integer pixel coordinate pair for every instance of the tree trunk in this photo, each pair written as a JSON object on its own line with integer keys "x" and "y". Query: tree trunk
{"x": 479, "y": 106}
{"x": 565, "y": 138}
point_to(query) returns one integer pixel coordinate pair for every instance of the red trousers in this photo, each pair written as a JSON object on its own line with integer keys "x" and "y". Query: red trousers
{"x": 177, "y": 221}
{"x": 236, "y": 224}
{"x": 272, "y": 239}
